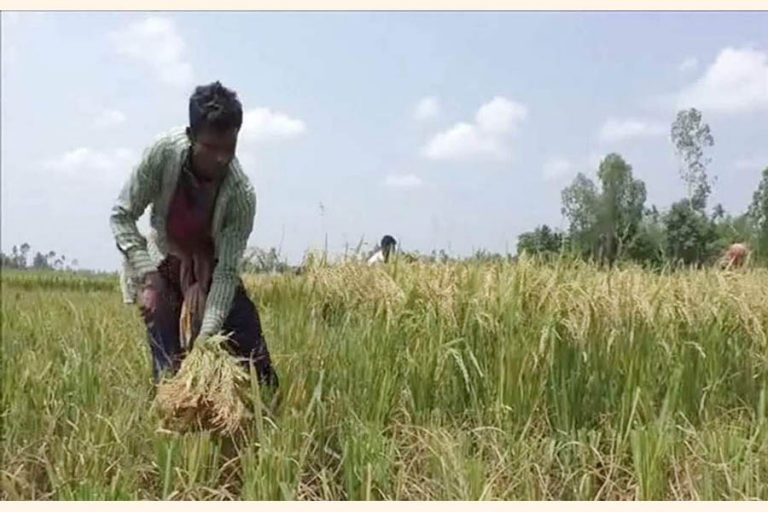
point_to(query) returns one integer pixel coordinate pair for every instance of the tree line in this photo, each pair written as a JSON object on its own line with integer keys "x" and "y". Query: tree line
{"x": 609, "y": 221}
{"x": 19, "y": 259}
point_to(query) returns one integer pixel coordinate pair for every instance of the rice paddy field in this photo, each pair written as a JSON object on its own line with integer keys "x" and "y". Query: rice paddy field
{"x": 462, "y": 381}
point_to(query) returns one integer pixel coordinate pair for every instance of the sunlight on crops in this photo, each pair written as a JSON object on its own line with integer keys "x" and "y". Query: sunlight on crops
{"x": 412, "y": 381}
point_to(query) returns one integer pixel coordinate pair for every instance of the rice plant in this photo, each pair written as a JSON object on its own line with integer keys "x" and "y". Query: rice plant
{"x": 409, "y": 381}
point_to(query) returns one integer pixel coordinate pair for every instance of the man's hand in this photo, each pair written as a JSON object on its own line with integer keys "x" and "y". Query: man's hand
{"x": 200, "y": 338}
{"x": 151, "y": 291}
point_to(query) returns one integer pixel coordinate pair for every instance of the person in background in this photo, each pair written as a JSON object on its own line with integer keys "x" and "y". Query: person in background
{"x": 382, "y": 253}
{"x": 735, "y": 256}
{"x": 202, "y": 212}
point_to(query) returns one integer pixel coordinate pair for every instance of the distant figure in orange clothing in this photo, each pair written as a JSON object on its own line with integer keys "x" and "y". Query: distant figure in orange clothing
{"x": 734, "y": 257}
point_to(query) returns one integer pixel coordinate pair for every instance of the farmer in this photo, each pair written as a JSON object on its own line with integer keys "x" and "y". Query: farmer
{"x": 385, "y": 249}
{"x": 203, "y": 208}
{"x": 735, "y": 256}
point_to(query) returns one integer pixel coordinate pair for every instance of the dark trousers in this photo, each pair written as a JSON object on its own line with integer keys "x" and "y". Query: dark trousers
{"x": 246, "y": 341}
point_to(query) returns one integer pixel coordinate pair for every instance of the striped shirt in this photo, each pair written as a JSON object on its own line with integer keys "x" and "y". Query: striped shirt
{"x": 153, "y": 182}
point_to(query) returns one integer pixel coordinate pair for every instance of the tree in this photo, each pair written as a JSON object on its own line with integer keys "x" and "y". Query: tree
{"x": 648, "y": 245}
{"x": 18, "y": 258}
{"x": 24, "y": 252}
{"x": 718, "y": 213}
{"x": 690, "y": 234}
{"x": 691, "y": 136}
{"x": 40, "y": 262}
{"x": 7, "y": 261}
{"x": 604, "y": 223}
{"x": 580, "y": 207}
{"x": 758, "y": 215}
{"x": 621, "y": 205}
{"x": 541, "y": 241}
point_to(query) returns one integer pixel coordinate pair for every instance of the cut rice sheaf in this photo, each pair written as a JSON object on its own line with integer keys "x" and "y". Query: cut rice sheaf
{"x": 209, "y": 391}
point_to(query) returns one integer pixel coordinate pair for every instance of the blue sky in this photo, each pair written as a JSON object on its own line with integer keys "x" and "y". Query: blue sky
{"x": 447, "y": 130}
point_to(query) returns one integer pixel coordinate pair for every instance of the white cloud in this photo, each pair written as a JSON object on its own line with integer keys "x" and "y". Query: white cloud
{"x": 427, "y": 108}
{"x": 500, "y": 115}
{"x": 91, "y": 163}
{"x": 689, "y": 64}
{"x": 736, "y": 82}
{"x": 262, "y": 124}
{"x": 617, "y": 130}
{"x": 108, "y": 117}
{"x": 488, "y": 137}
{"x": 557, "y": 168}
{"x": 461, "y": 142}
{"x": 156, "y": 43}
{"x": 755, "y": 163}
{"x": 403, "y": 181}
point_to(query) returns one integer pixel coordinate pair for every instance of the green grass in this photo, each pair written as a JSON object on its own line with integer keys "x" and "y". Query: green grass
{"x": 461, "y": 381}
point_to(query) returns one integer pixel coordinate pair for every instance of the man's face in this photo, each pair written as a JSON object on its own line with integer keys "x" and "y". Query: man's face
{"x": 212, "y": 151}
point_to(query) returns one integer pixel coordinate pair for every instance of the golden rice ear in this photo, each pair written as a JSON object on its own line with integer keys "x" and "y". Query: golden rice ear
{"x": 185, "y": 325}
{"x": 210, "y": 391}
{"x": 191, "y": 318}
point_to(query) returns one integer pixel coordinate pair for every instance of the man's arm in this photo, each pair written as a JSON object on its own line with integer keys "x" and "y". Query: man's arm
{"x": 229, "y": 251}
{"x": 142, "y": 187}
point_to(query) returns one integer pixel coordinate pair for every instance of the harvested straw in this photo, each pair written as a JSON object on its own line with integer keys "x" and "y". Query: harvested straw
{"x": 208, "y": 392}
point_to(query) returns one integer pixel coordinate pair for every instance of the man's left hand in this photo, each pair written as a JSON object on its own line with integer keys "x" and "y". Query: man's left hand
{"x": 199, "y": 339}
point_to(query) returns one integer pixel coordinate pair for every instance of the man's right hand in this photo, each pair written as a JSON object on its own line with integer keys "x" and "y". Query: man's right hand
{"x": 151, "y": 291}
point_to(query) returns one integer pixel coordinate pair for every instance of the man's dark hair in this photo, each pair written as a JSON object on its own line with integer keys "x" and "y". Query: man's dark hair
{"x": 216, "y": 107}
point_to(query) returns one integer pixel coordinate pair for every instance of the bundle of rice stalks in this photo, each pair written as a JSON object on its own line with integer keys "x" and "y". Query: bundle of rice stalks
{"x": 208, "y": 392}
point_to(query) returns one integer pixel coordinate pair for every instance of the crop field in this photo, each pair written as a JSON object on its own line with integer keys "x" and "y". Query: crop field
{"x": 459, "y": 381}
